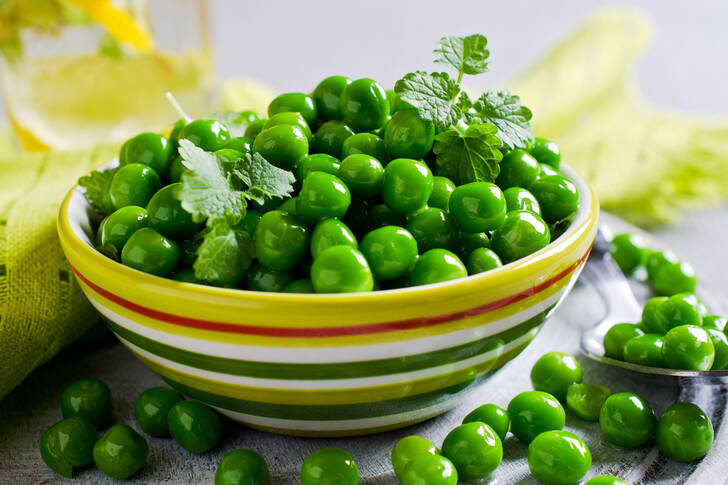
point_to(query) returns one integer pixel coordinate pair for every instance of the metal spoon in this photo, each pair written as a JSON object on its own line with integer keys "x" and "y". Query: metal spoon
{"x": 622, "y": 306}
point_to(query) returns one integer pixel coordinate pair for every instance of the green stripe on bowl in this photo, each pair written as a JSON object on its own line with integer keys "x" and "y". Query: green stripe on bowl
{"x": 325, "y": 371}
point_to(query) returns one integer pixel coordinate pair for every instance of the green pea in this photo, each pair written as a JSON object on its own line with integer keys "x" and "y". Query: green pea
{"x": 517, "y": 169}
{"x": 605, "y": 480}
{"x": 407, "y": 449}
{"x": 442, "y": 189}
{"x": 546, "y": 151}
{"x": 672, "y": 278}
{"x": 299, "y": 286}
{"x": 322, "y": 196}
{"x": 151, "y": 409}
{"x": 478, "y": 207}
{"x": 390, "y": 251}
{"x": 366, "y": 143}
{"x": 242, "y": 467}
{"x": 407, "y": 185}
{"x": 586, "y": 400}
{"x": 290, "y": 118}
{"x": 149, "y": 251}
{"x": 68, "y": 444}
{"x": 381, "y": 215}
{"x": 341, "y": 269}
{"x": 210, "y": 135}
{"x": 554, "y": 372}
{"x": 89, "y": 399}
{"x": 296, "y": 102}
{"x": 558, "y": 457}
{"x": 133, "y": 184}
{"x": 327, "y": 97}
{"x": 329, "y": 466}
{"x": 629, "y": 251}
{"x": 482, "y": 260}
{"x": 281, "y": 240}
{"x": 469, "y": 242}
{"x": 227, "y": 157}
{"x": 282, "y": 145}
{"x": 681, "y": 309}
{"x": 120, "y": 452}
{"x": 174, "y": 132}
{"x": 261, "y": 278}
{"x": 330, "y": 137}
{"x": 363, "y": 175}
{"x": 617, "y": 336}
{"x": 522, "y": 233}
{"x": 432, "y": 228}
{"x": 317, "y": 162}
{"x": 715, "y": 321}
{"x": 544, "y": 170}
{"x": 518, "y": 198}
{"x": 151, "y": 149}
{"x": 688, "y": 347}
{"x": 645, "y": 350}
{"x": 557, "y": 197}
{"x": 720, "y": 344}
{"x": 655, "y": 260}
{"x": 250, "y": 222}
{"x": 494, "y": 416}
{"x": 435, "y": 266}
{"x": 331, "y": 232}
{"x": 289, "y": 206}
{"x": 474, "y": 448}
{"x": 168, "y": 217}
{"x": 364, "y": 103}
{"x": 194, "y": 426}
{"x": 430, "y": 469}
{"x": 533, "y": 412}
{"x": 627, "y": 420}
{"x": 409, "y": 136}
{"x": 242, "y": 144}
{"x": 176, "y": 169}
{"x": 684, "y": 432}
{"x": 116, "y": 228}
{"x": 254, "y": 129}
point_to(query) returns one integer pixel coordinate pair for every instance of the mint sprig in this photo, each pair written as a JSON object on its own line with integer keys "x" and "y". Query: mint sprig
{"x": 263, "y": 179}
{"x": 467, "y": 55}
{"x": 433, "y": 96}
{"x": 224, "y": 252}
{"x": 471, "y": 155}
{"x": 96, "y": 189}
{"x": 505, "y": 112}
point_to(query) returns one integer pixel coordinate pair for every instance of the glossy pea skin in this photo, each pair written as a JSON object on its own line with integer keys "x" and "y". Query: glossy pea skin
{"x": 653, "y": 318}
{"x": 151, "y": 149}
{"x": 688, "y": 347}
{"x": 242, "y": 144}
{"x": 299, "y": 286}
{"x": 629, "y": 251}
{"x": 330, "y": 137}
{"x": 242, "y": 467}
{"x": 518, "y": 198}
{"x": 431, "y": 470}
{"x": 720, "y": 344}
{"x": 544, "y": 170}
{"x": 133, "y": 184}
{"x": 116, "y": 228}
{"x": 281, "y": 240}
{"x": 120, "y": 452}
{"x": 409, "y": 136}
{"x": 407, "y": 449}
{"x": 557, "y": 196}
{"x": 617, "y": 336}
{"x": 317, "y": 162}
{"x": 366, "y": 143}
{"x": 586, "y": 400}
{"x": 68, "y": 444}
{"x": 363, "y": 175}
{"x": 605, "y": 480}
{"x": 478, "y": 207}
{"x": 494, "y": 416}
{"x": 517, "y": 169}
{"x": 151, "y": 252}
{"x": 469, "y": 242}
{"x": 282, "y": 145}
{"x": 680, "y": 309}
{"x": 474, "y": 448}
{"x": 558, "y": 458}
{"x": 380, "y": 215}
{"x": 151, "y": 409}
{"x": 322, "y": 196}
{"x": 442, "y": 189}
{"x": 432, "y": 228}
{"x": 673, "y": 278}
{"x": 684, "y": 432}
{"x": 655, "y": 260}
{"x": 522, "y": 233}
{"x": 390, "y": 251}
{"x": 289, "y": 206}
{"x": 645, "y": 350}
{"x": 546, "y": 151}
{"x": 533, "y": 412}
{"x": 407, "y": 185}
{"x": 627, "y": 420}
{"x": 261, "y": 278}
{"x": 210, "y": 135}
{"x": 194, "y": 426}
{"x": 329, "y": 466}
{"x": 554, "y": 372}
{"x": 176, "y": 169}
{"x": 715, "y": 321}
{"x": 290, "y": 118}
{"x": 327, "y": 96}
{"x": 341, "y": 269}
{"x": 482, "y": 260}
{"x": 167, "y": 216}
{"x": 364, "y": 104}
{"x": 296, "y": 102}
{"x": 435, "y": 266}
{"x": 254, "y": 129}
{"x": 89, "y": 399}
{"x": 331, "y": 232}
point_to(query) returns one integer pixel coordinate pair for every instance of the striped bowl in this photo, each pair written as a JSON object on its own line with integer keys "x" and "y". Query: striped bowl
{"x": 329, "y": 365}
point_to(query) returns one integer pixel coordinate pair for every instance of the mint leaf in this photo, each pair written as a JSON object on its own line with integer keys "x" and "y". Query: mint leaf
{"x": 224, "y": 254}
{"x": 467, "y": 55}
{"x": 432, "y": 95}
{"x": 235, "y": 121}
{"x": 96, "y": 189}
{"x": 264, "y": 180}
{"x": 505, "y": 112}
{"x": 470, "y": 156}
{"x": 207, "y": 190}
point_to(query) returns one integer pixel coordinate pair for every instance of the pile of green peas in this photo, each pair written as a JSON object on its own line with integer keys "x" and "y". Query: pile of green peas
{"x": 371, "y": 208}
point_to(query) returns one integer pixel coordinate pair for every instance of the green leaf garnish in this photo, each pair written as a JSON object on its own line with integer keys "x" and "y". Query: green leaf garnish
{"x": 432, "y": 95}
{"x": 467, "y": 55}
{"x": 469, "y": 156}
{"x": 223, "y": 253}
{"x": 96, "y": 189}
{"x": 262, "y": 178}
{"x": 504, "y": 110}
{"x": 234, "y": 121}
